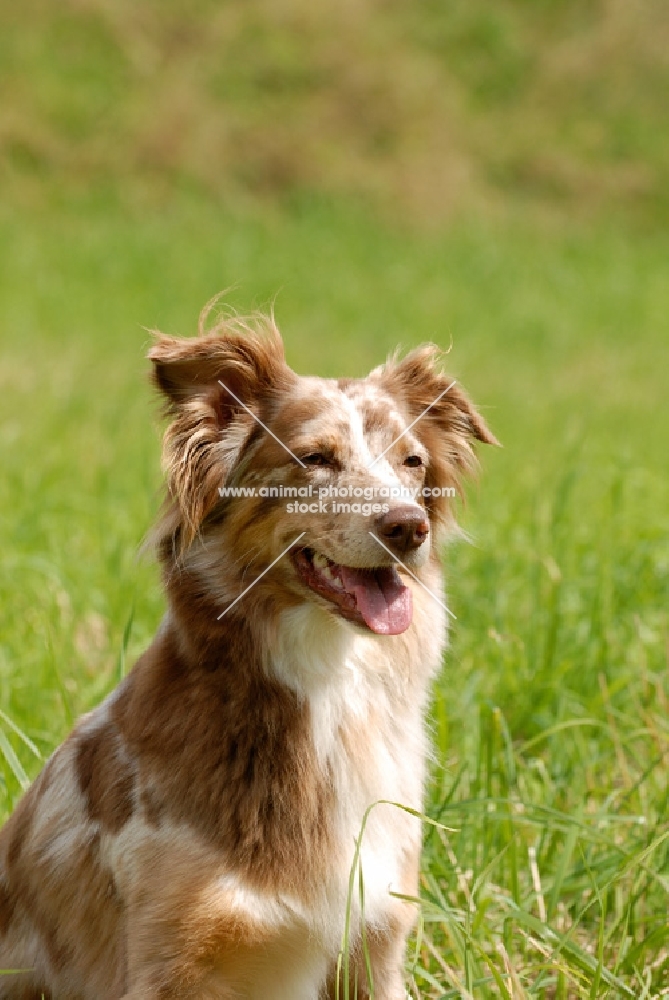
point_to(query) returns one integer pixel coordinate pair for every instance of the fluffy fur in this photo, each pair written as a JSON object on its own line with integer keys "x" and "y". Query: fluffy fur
{"x": 194, "y": 835}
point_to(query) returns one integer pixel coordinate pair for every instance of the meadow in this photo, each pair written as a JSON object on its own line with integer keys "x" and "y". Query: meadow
{"x": 550, "y": 718}
{"x": 546, "y": 858}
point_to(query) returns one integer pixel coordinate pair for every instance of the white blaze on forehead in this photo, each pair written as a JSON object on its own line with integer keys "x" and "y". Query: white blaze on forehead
{"x": 343, "y": 409}
{"x": 381, "y": 471}
{"x": 348, "y": 413}
{"x": 357, "y": 441}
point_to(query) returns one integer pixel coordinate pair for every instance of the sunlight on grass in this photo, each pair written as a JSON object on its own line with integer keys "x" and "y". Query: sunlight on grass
{"x": 550, "y": 718}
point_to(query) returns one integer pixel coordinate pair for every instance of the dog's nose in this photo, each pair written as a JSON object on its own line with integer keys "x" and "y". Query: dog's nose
{"x": 403, "y": 528}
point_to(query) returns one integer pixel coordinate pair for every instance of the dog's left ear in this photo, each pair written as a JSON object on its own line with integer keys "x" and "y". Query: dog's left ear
{"x": 447, "y": 422}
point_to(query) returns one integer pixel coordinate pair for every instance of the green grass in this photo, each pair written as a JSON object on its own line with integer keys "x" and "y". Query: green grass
{"x": 421, "y": 107}
{"x": 550, "y": 719}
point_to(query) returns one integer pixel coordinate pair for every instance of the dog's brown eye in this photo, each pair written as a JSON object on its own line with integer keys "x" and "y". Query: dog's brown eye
{"x": 413, "y": 461}
{"x": 317, "y": 458}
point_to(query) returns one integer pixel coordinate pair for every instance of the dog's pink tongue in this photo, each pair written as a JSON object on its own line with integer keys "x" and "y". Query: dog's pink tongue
{"x": 382, "y": 599}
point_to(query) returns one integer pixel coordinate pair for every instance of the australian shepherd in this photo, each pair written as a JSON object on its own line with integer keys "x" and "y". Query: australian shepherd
{"x": 194, "y": 836}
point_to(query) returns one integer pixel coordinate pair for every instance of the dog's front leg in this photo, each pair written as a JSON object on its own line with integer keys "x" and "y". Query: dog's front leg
{"x": 385, "y": 954}
{"x": 218, "y": 940}
{"x": 387, "y": 949}
{"x": 385, "y": 943}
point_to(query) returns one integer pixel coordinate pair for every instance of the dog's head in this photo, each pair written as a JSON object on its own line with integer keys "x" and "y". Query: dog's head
{"x": 342, "y": 487}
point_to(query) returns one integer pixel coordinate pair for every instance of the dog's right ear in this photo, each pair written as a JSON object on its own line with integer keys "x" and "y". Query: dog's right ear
{"x": 212, "y": 385}
{"x": 235, "y": 359}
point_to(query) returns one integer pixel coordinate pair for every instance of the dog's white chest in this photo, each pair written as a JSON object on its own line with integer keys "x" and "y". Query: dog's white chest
{"x": 371, "y": 744}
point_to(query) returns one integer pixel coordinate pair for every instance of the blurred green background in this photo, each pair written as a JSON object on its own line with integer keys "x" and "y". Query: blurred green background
{"x": 426, "y": 109}
{"x": 492, "y": 176}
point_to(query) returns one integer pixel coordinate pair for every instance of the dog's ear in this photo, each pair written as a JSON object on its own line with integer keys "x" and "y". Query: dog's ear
{"x": 446, "y": 420}
{"x": 212, "y": 385}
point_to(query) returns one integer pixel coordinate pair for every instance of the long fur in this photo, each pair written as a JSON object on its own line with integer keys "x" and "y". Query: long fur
{"x": 194, "y": 835}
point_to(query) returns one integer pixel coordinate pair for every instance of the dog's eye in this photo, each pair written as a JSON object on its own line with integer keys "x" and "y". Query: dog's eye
{"x": 413, "y": 461}
{"x": 317, "y": 458}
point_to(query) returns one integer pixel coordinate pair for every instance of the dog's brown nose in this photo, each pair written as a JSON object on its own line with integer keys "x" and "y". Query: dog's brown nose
{"x": 403, "y": 528}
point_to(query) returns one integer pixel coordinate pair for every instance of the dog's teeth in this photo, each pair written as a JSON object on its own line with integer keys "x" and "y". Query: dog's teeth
{"x": 320, "y": 562}
{"x": 333, "y": 578}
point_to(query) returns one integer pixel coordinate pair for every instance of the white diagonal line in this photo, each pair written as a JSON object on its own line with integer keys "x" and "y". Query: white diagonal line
{"x": 407, "y": 429}
{"x": 260, "y": 577}
{"x": 413, "y": 575}
{"x": 264, "y": 427}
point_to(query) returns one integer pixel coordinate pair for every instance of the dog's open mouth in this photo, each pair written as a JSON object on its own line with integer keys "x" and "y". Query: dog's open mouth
{"x": 376, "y": 598}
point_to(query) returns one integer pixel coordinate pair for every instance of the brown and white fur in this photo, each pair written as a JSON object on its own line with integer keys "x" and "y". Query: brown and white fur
{"x": 194, "y": 835}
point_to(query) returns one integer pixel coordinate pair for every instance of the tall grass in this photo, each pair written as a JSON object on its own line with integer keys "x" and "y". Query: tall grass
{"x": 547, "y": 874}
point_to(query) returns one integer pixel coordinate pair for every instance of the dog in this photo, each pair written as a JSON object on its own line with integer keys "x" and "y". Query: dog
{"x": 203, "y": 831}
